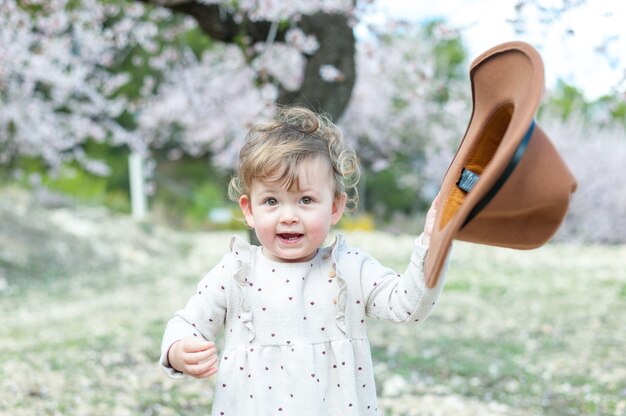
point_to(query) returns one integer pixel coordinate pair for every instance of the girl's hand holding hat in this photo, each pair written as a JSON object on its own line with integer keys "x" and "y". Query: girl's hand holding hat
{"x": 429, "y": 224}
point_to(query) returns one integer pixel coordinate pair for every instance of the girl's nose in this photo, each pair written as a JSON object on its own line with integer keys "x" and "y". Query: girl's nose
{"x": 288, "y": 216}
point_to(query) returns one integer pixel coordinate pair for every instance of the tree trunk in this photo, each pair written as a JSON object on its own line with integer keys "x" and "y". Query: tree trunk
{"x": 336, "y": 47}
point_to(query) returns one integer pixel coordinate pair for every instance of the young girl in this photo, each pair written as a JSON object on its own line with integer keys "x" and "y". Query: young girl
{"x": 292, "y": 311}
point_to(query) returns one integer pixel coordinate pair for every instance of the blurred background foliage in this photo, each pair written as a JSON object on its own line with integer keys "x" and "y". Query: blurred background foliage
{"x": 187, "y": 187}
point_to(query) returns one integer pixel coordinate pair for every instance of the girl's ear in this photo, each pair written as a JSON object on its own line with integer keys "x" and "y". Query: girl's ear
{"x": 339, "y": 206}
{"x": 246, "y": 208}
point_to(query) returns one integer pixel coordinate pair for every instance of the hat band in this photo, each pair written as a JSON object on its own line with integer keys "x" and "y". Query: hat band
{"x": 468, "y": 178}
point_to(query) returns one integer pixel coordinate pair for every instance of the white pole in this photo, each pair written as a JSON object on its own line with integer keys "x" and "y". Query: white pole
{"x": 138, "y": 198}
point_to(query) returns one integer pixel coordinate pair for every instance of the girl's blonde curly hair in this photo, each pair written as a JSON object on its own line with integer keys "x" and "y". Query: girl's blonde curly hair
{"x": 274, "y": 151}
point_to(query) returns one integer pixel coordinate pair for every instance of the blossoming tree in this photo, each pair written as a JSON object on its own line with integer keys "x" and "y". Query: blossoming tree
{"x": 128, "y": 73}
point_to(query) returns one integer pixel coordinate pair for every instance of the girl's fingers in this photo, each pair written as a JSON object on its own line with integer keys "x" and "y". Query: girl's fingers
{"x": 435, "y": 203}
{"x": 208, "y": 373}
{"x": 204, "y": 369}
{"x": 199, "y": 357}
{"x": 195, "y": 345}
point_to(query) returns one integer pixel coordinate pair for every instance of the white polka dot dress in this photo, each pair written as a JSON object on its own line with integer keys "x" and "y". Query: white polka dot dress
{"x": 295, "y": 339}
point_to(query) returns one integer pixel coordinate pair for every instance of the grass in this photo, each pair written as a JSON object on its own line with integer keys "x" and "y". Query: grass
{"x": 541, "y": 331}
{"x": 520, "y": 333}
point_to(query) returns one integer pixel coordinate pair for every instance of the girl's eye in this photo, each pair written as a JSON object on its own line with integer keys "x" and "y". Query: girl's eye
{"x": 307, "y": 200}
{"x": 271, "y": 202}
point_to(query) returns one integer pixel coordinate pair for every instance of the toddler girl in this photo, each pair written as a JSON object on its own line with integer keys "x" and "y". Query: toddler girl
{"x": 292, "y": 311}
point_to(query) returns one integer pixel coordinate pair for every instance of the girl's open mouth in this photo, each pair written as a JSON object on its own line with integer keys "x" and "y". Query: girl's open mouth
{"x": 290, "y": 237}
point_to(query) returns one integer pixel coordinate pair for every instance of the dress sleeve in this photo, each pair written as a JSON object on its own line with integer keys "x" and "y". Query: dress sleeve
{"x": 203, "y": 316}
{"x": 400, "y": 297}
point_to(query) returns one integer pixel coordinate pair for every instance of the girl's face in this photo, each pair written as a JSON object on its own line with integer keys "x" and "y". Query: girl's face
{"x": 292, "y": 225}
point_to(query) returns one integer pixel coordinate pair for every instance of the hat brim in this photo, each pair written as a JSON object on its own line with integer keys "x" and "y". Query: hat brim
{"x": 507, "y": 86}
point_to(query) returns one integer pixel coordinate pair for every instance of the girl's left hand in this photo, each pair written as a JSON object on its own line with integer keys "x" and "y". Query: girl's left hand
{"x": 430, "y": 218}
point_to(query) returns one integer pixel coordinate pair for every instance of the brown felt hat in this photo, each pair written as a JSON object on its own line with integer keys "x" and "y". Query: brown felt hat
{"x": 507, "y": 185}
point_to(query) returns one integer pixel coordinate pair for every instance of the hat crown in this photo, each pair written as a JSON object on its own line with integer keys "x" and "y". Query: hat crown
{"x": 521, "y": 186}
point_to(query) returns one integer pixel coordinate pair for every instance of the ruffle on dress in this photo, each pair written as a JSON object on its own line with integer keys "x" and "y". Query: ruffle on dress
{"x": 243, "y": 255}
{"x": 340, "y": 319}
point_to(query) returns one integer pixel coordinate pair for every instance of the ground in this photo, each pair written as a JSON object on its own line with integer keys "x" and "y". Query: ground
{"x": 85, "y": 294}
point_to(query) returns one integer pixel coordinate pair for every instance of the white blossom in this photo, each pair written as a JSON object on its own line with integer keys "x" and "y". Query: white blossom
{"x": 330, "y": 73}
{"x": 56, "y": 89}
{"x": 276, "y": 10}
{"x": 392, "y": 108}
{"x": 207, "y": 105}
{"x": 306, "y": 44}
{"x": 282, "y": 62}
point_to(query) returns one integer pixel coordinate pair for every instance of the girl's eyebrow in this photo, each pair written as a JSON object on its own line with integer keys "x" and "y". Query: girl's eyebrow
{"x": 307, "y": 191}
{"x": 266, "y": 192}
{"x": 267, "y": 186}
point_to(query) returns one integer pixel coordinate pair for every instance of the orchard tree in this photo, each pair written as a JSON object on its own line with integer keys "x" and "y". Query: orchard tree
{"x": 262, "y": 54}
{"x": 270, "y": 32}
{"x": 144, "y": 76}
{"x": 64, "y": 76}
{"x": 85, "y": 71}
{"x": 191, "y": 76}
{"x": 182, "y": 77}
{"x": 402, "y": 114}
